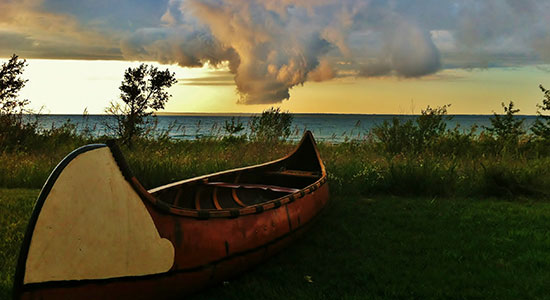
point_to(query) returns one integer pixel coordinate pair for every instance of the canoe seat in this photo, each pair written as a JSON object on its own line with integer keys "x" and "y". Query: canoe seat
{"x": 296, "y": 173}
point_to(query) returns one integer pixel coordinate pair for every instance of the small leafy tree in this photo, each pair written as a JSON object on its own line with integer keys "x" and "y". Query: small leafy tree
{"x": 10, "y": 84}
{"x": 507, "y": 128}
{"x": 272, "y": 125}
{"x": 12, "y": 128}
{"x": 541, "y": 127}
{"x": 142, "y": 91}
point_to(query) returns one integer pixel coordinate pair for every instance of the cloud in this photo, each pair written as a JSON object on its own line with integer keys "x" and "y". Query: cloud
{"x": 42, "y": 34}
{"x": 221, "y": 80}
{"x": 495, "y": 33}
{"x": 324, "y": 71}
{"x": 272, "y": 46}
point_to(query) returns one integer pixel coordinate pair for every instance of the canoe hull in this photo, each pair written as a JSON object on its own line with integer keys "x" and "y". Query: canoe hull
{"x": 207, "y": 252}
{"x": 97, "y": 233}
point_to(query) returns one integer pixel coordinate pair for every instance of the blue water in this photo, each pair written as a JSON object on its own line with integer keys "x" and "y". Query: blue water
{"x": 326, "y": 127}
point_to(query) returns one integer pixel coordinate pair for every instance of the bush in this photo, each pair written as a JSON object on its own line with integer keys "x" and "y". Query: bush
{"x": 541, "y": 127}
{"x": 431, "y": 125}
{"x": 507, "y": 128}
{"x": 273, "y": 125}
{"x": 418, "y": 135}
{"x": 397, "y": 136}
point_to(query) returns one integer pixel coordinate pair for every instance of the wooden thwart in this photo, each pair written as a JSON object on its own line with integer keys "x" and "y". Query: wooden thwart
{"x": 274, "y": 188}
{"x": 296, "y": 173}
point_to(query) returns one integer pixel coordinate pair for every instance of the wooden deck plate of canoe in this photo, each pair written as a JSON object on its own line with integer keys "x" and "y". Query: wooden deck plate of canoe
{"x": 97, "y": 233}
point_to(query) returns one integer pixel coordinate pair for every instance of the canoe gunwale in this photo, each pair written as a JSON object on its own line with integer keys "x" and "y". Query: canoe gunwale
{"x": 204, "y": 214}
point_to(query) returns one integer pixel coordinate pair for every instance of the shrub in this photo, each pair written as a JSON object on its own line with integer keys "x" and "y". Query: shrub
{"x": 456, "y": 141}
{"x": 541, "y": 127}
{"x": 507, "y": 128}
{"x": 431, "y": 125}
{"x": 273, "y": 125}
{"x": 397, "y": 136}
{"x": 423, "y": 132}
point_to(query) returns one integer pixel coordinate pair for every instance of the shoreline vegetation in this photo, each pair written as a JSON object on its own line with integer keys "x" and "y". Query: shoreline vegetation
{"x": 416, "y": 156}
{"x": 419, "y": 156}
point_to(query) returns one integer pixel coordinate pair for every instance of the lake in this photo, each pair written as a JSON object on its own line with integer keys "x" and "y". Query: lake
{"x": 326, "y": 127}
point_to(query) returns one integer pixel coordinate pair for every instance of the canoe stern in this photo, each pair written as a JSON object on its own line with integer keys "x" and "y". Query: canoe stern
{"x": 89, "y": 223}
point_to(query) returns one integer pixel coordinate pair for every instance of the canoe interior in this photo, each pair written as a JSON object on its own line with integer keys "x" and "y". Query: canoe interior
{"x": 249, "y": 186}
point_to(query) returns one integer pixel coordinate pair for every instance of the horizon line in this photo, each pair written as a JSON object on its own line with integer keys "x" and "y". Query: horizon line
{"x": 246, "y": 114}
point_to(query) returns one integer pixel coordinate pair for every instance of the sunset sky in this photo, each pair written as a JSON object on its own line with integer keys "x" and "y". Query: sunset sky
{"x": 321, "y": 56}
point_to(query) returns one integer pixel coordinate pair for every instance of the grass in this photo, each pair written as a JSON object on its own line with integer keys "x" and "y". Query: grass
{"x": 357, "y": 168}
{"x": 379, "y": 247}
{"x": 15, "y": 207}
{"x": 417, "y": 157}
{"x": 415, "y": 213}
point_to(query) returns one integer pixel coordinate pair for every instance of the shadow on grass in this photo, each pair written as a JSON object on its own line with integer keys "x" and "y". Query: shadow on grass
{"x": 390, "y": 247}
{"x": 382, "y": 247}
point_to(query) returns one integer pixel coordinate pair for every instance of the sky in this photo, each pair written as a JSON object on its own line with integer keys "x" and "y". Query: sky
{"x": 318, "y": 56}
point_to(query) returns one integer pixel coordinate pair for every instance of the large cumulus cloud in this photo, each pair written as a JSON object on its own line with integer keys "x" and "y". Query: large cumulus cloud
{"x": 271, "y": 46}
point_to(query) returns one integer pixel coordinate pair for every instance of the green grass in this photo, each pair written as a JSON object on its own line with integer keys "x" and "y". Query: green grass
{"x": 15, "y": 209}
{"x": 380, "y": 247}
{"x": 354, "y": 167}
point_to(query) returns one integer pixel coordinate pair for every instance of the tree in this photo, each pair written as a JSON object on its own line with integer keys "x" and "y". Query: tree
{"x": 143, "y": 92}
{"x": 541, "y": 127}
{"x": 507, "y": 127}
{"x": 10, "y": 85}
{"x": 271, "y": 126}
{"x": 12, "y": 128}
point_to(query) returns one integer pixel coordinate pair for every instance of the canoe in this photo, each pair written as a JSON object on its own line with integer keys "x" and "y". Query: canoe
{"x": 97, "y": 233}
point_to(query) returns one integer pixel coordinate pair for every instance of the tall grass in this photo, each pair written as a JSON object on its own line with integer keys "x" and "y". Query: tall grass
{"x": 420, "y": 157}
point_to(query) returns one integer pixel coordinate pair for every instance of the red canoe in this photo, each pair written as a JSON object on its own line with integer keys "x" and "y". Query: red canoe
{"x": 96, "y": 233}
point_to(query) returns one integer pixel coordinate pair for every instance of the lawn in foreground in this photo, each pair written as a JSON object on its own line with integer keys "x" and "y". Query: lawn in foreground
{"x": 380, "y": 247}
